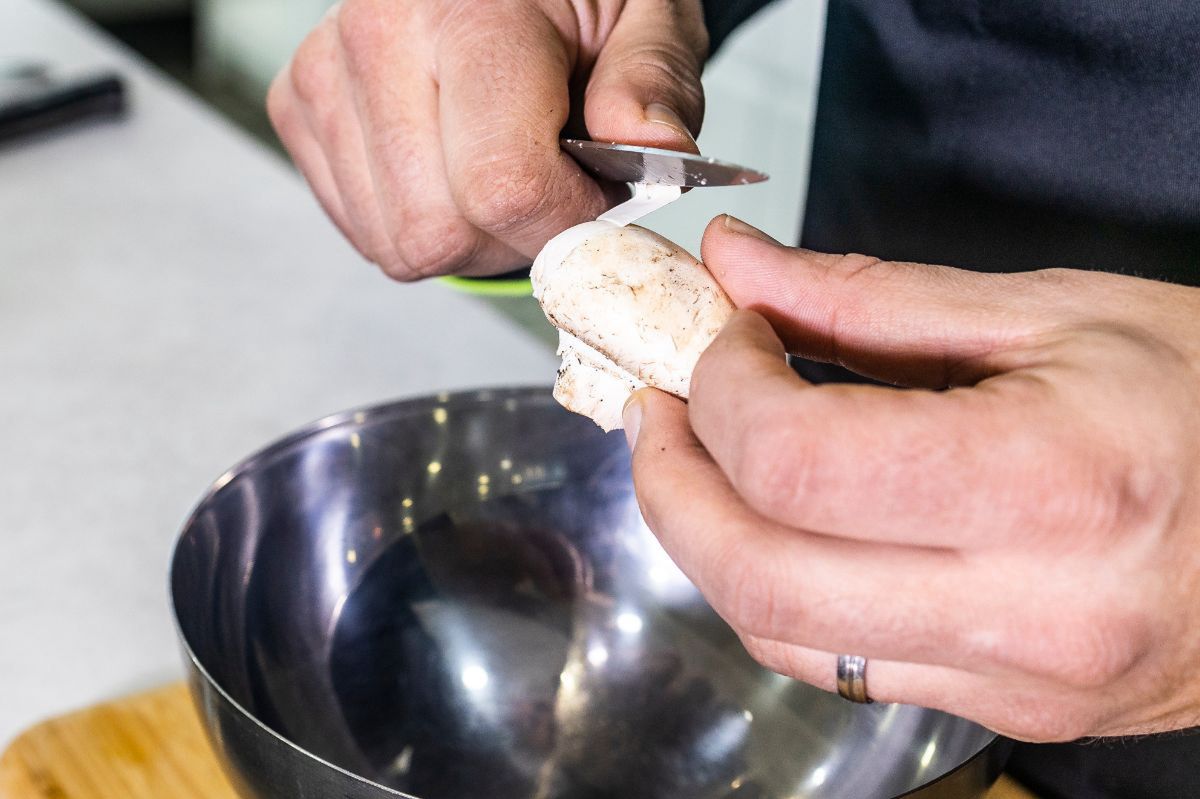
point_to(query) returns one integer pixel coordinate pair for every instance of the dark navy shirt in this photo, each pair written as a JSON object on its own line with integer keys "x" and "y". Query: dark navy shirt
{"x": 1008, "y": 135}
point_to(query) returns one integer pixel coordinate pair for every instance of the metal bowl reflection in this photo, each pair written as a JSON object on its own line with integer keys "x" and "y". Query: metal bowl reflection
{"x": 456, "y": 596}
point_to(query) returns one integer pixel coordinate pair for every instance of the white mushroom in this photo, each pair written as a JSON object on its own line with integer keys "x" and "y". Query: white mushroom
{"x": 633, "y": 310}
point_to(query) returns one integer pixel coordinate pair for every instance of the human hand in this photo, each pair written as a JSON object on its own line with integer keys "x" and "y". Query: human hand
{"x": 1022, "y": 549}
{"x": 429, "y": 129}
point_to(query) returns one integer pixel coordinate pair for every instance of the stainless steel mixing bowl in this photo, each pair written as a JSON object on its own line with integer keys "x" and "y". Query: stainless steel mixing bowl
{"x": 455, "y": 597}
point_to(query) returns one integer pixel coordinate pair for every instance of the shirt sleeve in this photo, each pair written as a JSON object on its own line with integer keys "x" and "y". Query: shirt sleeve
{"x": 722, "y": 16}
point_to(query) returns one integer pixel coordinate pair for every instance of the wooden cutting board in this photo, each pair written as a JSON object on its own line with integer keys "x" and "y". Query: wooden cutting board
{"x": 148, "y": 746}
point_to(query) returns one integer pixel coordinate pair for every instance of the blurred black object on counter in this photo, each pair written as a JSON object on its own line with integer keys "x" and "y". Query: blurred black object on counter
{"x": 33, "y": 99}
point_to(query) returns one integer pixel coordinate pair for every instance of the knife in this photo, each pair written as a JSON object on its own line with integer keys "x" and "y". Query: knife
{"x": 656, "y": 177}
{"x": 626, "y": 163}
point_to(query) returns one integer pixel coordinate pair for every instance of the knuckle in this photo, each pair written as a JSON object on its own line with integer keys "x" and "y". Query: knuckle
{"x": 667, "y": 71}
{"x": 745, "y": 595}
{"x": 1073, "y": 507}
{"x": 1107, "y": 652}
{"x": 661, "y": 65}
{"x": 1091, "y": 650}
{"x": 1099, "y": 498}
{"x": 1055, "y": 278}
{"x": 769, "y": 473}
{"x": 673, "y": 70}
{"x": 1062, "y": 282}
{"x": 1091, "y": 669}
{"x": 359, "y": 24}
{"x": 1142, "y": 494}
{"x": 311, "y": 71}
{"x": 862, "y": 272}
{"x": 398, "y": 270}
{"x": 856, "y": 278}
{"x": 436, "y": 250}
{"x": 504, "y": 194}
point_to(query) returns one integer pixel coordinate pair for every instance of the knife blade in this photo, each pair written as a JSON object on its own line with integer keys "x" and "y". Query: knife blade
{"x": 627, "y": 163}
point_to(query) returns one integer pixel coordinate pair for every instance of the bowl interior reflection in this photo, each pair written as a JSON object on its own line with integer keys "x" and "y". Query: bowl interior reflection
{"x": 458, "y": 595}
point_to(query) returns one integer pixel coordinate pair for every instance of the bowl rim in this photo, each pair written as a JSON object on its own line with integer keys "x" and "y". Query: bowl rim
{"x": 360, "y": 415}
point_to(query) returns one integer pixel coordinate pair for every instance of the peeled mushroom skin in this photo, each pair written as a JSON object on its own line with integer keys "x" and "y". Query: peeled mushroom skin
{"x": 590, "y": 384}
{"x": 633, "y": 310}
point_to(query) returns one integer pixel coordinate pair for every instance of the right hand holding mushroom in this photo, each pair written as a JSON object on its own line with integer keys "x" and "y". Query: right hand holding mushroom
{"x": 429, "y": 129}
{"x": 1015, "y": 538}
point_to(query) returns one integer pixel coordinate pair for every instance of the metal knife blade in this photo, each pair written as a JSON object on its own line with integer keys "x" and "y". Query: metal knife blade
{"x": 627, "y": 163}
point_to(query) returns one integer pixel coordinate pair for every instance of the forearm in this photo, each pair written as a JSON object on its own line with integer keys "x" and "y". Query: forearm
{"x": 722, "y": 16}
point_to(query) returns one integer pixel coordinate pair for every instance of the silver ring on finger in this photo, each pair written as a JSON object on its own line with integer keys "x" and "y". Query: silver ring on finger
{"x": 852, "y": 679}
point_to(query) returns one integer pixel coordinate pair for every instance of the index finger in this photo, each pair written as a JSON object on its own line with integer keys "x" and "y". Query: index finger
{"x": 962, "y": 468}
{"x": 792, "y": 585}
{"x": 503, "y": 104}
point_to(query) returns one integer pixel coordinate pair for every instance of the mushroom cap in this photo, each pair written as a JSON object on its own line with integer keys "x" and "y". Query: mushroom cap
{"x": 634, "y": 309}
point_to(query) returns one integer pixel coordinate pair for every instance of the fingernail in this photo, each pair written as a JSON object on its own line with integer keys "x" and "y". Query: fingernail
{"x": 735, "y": 225}
{"x": 631, "y": 415}
{"x": 662, "y": 115}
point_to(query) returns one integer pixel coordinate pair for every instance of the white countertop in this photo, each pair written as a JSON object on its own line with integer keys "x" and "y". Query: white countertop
{"x": 171, "y": 298}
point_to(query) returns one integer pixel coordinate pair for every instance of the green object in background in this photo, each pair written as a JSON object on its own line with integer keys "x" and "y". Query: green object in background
{"x": 490, "y": 287}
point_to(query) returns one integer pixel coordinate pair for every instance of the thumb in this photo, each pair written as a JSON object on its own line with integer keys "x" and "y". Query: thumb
{"x": 905, "y": 323}
{"x": 645, "y": 86}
